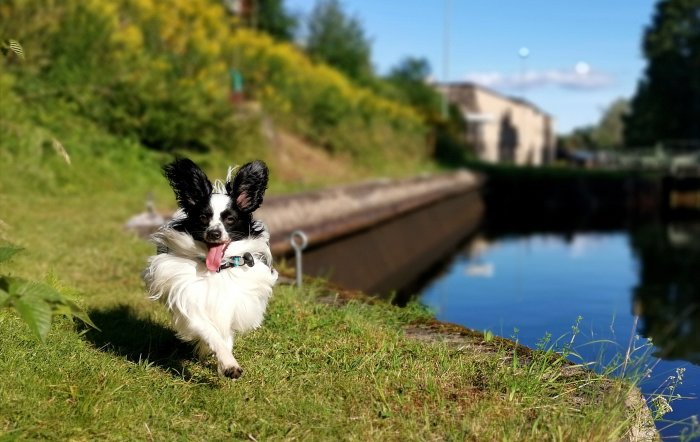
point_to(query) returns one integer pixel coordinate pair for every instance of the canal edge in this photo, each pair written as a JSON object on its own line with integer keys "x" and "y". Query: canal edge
{"x": 642, "y": 426}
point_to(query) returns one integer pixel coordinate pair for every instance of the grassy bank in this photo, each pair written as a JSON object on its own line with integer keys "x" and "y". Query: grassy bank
{"x": 315, "y": 371}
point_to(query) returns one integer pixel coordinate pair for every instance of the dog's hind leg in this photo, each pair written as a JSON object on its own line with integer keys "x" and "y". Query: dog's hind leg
{"x": 202, "y": 350}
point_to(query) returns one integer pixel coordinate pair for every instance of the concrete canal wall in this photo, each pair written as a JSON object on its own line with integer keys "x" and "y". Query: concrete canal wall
{"x": 327, "y": 214}
{"x": 377, "y": 236}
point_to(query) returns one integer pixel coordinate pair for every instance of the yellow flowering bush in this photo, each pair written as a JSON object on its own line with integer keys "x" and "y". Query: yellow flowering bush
{"x": 320, "y": 102}
{"x": 159, "y": 70}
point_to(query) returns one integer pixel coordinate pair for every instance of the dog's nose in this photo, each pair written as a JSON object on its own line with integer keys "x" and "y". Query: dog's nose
{"x": 214, "y": 235}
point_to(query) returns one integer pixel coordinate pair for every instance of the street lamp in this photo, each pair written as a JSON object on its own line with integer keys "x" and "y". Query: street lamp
{"x": 523, "y": 53}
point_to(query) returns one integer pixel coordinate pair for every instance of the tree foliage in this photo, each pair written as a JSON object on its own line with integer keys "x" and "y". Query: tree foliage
{"x": 666, "y": 105}
{"x": 339, "y": 40}
{"x": 410, "y": 77}
{"x": 610, "y": 130}
{"x": 607, "y": 134}
{"x": 273, "y": 18}
{"x": 579, "y": 138}
{"x": 411, "y": 69}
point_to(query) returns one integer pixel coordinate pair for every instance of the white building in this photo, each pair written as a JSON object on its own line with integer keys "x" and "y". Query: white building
{"x": 503, "y": 129}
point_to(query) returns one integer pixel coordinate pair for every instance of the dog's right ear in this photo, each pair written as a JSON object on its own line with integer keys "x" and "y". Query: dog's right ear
{"x": 189, "y": 182}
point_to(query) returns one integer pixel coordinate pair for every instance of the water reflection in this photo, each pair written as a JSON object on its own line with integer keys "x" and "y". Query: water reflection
{"x": 667, "y": 296}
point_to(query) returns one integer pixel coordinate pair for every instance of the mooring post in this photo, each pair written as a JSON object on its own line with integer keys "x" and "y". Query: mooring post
{"x": 299, "y": 241}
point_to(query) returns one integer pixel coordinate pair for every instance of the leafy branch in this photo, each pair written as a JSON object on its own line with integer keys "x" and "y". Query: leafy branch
{"x": 35, "y": 302}
{"x": 12, "y": 46}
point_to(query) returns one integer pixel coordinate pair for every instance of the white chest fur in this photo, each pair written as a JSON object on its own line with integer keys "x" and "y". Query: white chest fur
{"x": 234, "y": 299}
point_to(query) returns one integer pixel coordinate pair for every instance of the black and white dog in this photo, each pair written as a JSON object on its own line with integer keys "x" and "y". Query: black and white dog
{"x": 213, "y": 269}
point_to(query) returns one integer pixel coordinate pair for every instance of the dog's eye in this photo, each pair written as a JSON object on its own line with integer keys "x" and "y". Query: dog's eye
{"x": 230, "y": 219}
{"x": 203, "y": 218}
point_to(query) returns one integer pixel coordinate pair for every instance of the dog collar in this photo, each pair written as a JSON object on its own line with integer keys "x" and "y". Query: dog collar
{"x": 237, "y": 261}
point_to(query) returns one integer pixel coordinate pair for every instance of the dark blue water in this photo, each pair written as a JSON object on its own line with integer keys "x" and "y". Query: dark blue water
{"x": 627, "y": 285}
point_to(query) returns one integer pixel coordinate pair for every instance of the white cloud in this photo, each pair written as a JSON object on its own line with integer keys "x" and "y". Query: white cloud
{"x": 581, "y": 77}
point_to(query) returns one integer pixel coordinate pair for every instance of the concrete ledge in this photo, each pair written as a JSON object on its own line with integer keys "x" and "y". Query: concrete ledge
{"x": 328, "y": 214}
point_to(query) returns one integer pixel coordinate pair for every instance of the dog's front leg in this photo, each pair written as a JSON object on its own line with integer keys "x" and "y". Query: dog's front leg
{"x": 222, "y": 347}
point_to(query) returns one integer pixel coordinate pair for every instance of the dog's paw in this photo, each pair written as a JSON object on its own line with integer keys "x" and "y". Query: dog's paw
{"x": 233, "y": 372}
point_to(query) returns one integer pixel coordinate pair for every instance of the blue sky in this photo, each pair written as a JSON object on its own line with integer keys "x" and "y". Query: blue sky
{"x": 581, "y": 55}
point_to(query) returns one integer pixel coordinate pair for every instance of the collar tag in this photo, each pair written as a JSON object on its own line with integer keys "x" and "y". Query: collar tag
{"x": 238, "y": 261}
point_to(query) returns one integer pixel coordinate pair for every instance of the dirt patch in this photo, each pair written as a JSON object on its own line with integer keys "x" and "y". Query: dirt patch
{"x": 296, "y": 161}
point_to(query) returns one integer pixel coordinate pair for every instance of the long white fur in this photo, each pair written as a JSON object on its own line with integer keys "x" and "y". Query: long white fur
{"x": 208, "y": 307}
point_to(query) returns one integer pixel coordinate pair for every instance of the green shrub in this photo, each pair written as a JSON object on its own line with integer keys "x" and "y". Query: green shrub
{"x": 158, "y": 71}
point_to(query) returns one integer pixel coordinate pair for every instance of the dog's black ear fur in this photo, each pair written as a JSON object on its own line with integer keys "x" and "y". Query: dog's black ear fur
{"x": 189, "y": 182}
{"x": 248, "y": 186}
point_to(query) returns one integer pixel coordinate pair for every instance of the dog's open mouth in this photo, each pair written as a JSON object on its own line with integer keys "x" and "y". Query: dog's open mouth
{"x": 215, "y": 255}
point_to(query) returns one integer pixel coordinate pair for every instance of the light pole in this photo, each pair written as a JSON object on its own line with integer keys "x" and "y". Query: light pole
{"x": 446, "y": 58}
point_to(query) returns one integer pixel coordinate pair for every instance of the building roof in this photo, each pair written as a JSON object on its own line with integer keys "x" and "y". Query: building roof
{"x": 516, "y": 100}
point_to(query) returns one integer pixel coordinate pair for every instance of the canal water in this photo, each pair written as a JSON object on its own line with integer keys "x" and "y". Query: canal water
{"x": 638, "y": 285}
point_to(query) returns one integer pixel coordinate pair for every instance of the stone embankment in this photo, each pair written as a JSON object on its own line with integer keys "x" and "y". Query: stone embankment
{"x": 327, "y": 214}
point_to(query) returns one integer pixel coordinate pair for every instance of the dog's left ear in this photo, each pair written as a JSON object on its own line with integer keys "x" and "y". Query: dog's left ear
{"x": 248, "y": 186}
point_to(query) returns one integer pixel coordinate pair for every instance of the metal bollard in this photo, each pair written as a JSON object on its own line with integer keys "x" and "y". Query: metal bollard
{"x": 299, "y": 241}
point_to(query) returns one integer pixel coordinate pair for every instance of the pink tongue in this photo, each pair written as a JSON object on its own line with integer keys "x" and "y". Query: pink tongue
{"x": 214, "y": 256}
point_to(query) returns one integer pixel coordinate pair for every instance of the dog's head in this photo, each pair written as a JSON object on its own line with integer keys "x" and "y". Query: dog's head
{"x": 215, "y": 214}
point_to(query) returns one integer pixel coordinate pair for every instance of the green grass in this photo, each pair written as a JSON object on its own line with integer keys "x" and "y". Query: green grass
{"x": 314, "y": 371}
